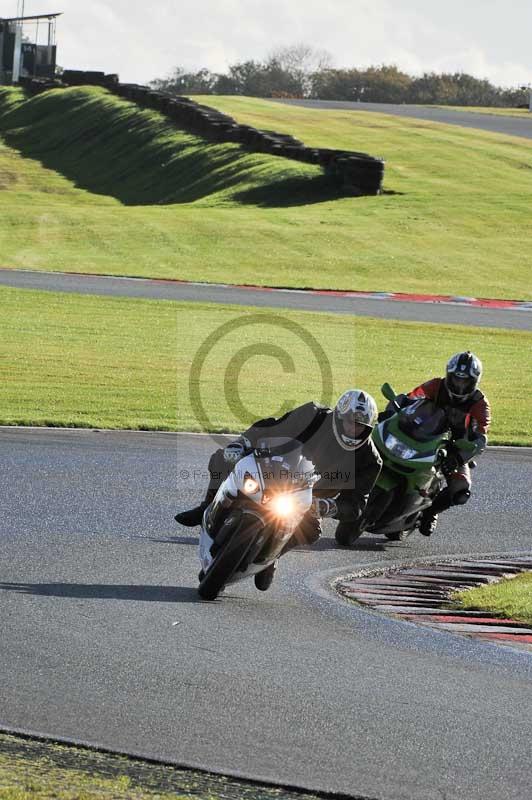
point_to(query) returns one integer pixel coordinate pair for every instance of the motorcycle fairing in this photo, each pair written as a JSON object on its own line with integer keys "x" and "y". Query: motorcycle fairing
{"x": 296, "y": 475}
{"x": 424, "y": 453}
{"x": 410, "y": 464}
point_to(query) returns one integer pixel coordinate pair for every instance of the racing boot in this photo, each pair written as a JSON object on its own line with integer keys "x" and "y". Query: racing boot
{"x": 428, "y": 522}
{"x": 194, "y": 516}
{"x": 264, "y": 579}
{"x": 442, "y": 501}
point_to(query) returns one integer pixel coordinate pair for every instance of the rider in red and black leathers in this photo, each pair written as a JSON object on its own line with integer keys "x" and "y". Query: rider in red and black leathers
{"x": 469, "y": 415}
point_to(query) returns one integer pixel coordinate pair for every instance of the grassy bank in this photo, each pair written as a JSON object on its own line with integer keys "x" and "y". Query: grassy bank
{"x": 115, "y": 362}
{"x": 35, "y": 770}
{"x": 92, "y": 183}
{"x": 510, "y": 598}
{"x": 114, "y": 149}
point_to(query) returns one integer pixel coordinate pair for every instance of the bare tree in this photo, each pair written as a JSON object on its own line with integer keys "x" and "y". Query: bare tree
{"x": 301, "y": 62}
{"x": 301, "y": 57}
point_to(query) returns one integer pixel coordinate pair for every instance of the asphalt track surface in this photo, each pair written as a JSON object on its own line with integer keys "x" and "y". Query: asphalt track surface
{"x": 104, "y": 639}
{"x": 493, "y": 123}
{"x": 442, "y": 313}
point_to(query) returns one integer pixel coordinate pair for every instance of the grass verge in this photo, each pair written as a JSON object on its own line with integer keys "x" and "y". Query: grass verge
{"x": 93, "y": 184}
{"x": 510, "y": 598}
{"x": 87, "y": 361}
{"x": 524, "y": 113}
{"x": 38, "y": 770}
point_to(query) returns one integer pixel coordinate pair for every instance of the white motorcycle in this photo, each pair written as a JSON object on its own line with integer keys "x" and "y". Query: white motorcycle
{"x": 254, "y": 513}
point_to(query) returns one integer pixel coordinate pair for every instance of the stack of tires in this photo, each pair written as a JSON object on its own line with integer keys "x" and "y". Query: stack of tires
{"x": 78, "y": 77}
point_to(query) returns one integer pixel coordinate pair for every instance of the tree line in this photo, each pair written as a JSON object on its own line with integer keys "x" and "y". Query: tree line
{"x": 301, "y": 71}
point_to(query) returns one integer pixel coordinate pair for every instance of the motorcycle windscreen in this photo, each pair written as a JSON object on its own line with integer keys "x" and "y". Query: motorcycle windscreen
{"x": 423, "y": 421}
{"x": 283, "y": 464}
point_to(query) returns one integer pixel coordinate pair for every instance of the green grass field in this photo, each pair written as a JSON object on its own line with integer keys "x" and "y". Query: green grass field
{"x": 510, "y": 598}
{"x": 75, "y": 360}
{"x": 91, "y": 183}
{"x": 38, "y": 770}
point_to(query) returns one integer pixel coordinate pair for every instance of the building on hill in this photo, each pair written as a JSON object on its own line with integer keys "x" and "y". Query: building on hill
{"x": 22, "y": 55}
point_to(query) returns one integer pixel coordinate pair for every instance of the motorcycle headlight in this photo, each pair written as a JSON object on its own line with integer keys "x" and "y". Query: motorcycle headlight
{"x": 251, "y": 486}
{"x": 398, "y": 448}
{"x": 283, "y": 505}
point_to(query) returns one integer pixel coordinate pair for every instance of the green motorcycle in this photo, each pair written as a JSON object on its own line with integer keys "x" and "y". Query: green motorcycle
{"x": 414, "y": 442}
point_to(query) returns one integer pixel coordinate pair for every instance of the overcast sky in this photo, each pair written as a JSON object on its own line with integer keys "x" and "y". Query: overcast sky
{"x": 487, "y": 38}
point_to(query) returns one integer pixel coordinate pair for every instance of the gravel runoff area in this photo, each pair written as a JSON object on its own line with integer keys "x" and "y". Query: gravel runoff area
{"x": 423, "y": 595}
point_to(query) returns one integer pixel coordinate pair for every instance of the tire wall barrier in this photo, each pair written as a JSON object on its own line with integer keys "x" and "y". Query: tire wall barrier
{"x": 355, "y": 173}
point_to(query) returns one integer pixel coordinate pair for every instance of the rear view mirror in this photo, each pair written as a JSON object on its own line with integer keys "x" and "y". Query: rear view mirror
{"x": 387, "y": 391}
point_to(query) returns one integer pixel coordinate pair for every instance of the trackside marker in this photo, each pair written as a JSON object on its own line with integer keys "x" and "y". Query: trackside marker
{"x": 423, "y": 595}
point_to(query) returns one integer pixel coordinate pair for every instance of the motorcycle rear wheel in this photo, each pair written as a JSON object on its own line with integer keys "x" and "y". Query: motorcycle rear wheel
{"x": 227, "y": 561}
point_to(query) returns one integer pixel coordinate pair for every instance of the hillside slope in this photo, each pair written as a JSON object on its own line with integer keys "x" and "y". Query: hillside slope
{"x": 93, "y": 184}
{"x": 109, "y": 146}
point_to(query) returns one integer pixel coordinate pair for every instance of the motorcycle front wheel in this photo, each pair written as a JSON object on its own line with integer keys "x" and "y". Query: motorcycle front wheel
{"x": 228, "y": 559}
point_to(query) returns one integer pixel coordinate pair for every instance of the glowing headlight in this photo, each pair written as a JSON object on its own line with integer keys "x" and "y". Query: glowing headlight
{"x": 251, "y": 486}
{"x": 283, "y": 505}
{"x": 399, "y": 449}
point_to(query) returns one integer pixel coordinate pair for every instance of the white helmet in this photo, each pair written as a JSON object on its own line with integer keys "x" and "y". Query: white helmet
{"x": 354, "y": 417}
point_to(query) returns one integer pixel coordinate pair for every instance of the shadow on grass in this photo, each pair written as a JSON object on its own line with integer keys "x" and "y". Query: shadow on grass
{"x": 113, "y": 148}
{"x": 103, "y": 591}
{"x": 291, "y": 192}
{"x": 198, "y": 177}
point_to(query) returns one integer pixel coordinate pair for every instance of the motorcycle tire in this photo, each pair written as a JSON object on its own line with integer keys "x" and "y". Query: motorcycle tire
{"x": 346, "y": 535}
{"x": 227, "y": 561}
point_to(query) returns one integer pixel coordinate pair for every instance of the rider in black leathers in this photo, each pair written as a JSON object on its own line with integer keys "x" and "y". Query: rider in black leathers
{"x": 338, "y": 442}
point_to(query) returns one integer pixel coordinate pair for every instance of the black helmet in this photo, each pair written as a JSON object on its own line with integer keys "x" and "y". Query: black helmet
{"x": 464, "y": 371}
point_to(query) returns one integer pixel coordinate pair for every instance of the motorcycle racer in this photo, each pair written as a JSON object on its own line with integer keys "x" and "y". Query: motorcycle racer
{"x": 337, "y": 441}
{"x": 468, "y": 412}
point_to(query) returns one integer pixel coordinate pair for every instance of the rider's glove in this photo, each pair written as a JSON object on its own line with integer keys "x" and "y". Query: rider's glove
{"x": 236, "y": 450}
{"x": 480, "y": 442}
{"x": 469, "y": 448}
{"x": 402, "y": 400}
